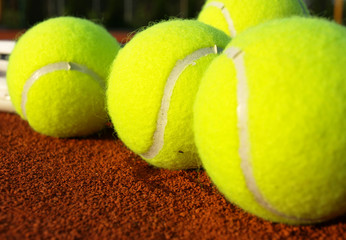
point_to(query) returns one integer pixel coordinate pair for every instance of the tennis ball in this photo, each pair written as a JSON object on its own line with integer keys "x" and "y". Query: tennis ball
{"x": 56, "y": 76}
{"x": 152, "y": 87}
{"x": 269, "y": 120}
{"x": 234, "y": 16}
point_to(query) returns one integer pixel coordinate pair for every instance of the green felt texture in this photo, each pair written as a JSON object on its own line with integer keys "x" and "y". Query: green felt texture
{"x": 137, "y": 82}
{"x": 69, "y": 103}
{"x": 248, "y": 13}
{"x": 296, "y": 120}
{"x": 84, "y": 97}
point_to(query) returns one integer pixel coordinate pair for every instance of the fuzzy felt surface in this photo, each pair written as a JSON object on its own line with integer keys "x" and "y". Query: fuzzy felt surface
{"x": 62, "y": 103}
{"x": 248, "y": 13}
{"x": 137, "y": 82}
{"x": 296, "y": 120}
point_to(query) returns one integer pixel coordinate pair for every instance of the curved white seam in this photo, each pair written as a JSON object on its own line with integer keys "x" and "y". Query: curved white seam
{"x": 52, "y": 68}
{"x": 181, "y": 65}
{"x": 237, "y": 56}
{"x": 226, "y": 15}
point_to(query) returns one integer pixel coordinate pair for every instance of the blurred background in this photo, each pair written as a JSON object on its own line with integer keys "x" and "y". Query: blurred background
{"x": 125, "y": 14}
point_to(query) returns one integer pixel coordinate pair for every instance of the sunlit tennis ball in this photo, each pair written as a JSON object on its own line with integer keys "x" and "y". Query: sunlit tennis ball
{"x": 152, "y": 89}
{"x": 270, "y": 120}
{"x": 56, "y": 76}
{"x": 234, "y": 16}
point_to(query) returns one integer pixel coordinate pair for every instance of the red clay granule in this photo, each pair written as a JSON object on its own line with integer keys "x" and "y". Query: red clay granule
{"x": 95, "y": 188}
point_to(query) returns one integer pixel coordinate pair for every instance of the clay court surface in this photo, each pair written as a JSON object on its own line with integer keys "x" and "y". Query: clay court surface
{"x": 95, "y": 188}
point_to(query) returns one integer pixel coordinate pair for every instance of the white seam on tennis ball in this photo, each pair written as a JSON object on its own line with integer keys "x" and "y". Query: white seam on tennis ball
{"x": 302, "y": 6}
{"x": 67, "y": 66}
{"x": 180, "y": 66}
{"x": 226, "y": 15}
{"x": 237, "y": 56}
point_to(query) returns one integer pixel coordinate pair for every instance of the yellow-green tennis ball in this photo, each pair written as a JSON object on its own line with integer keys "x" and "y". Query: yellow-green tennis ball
{"x": 152, "y": 88}
{"x": 269, "y": 120}
{"x": 56, "y": 76}
{"x": 234, "y": 16}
